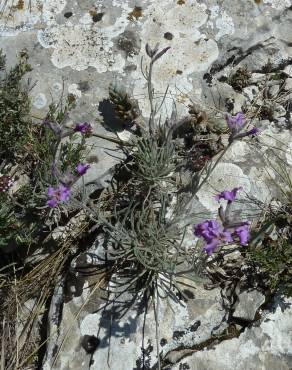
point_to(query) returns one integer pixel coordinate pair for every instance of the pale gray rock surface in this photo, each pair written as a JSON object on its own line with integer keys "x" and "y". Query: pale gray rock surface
{"x": 265, "y": 346}
{"x": 248, "y": 305}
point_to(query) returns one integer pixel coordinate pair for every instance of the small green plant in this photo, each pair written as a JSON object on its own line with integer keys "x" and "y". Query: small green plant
{"x": 43, "y": 153}
{"x": 15, "y": 228}
{"x": 14, "y": 109}
{"x": 273, "y": 258}
{"x": 271, "y": 246}
{"x": 152, "y": 161}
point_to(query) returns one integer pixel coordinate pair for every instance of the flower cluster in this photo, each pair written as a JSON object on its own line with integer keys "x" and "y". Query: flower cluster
{"x": 215, "y": 234}
{"x": 84, "y": 128}
{"x": 57, "y": 195}
{"x": 236, "y": 127}
{"x": 61, "y": 194}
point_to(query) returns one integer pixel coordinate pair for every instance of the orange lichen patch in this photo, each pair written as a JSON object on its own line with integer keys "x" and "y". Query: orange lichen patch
{"x": 181, "y": 2}
{"x": 135, "y": 13}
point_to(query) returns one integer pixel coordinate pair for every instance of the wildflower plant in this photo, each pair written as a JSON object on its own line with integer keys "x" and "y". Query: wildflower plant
{"x": 270, "y": 251}
{"x": 236, "y": 125}
{"x": 136, "y": 213}
{"x": 216, "y": 235}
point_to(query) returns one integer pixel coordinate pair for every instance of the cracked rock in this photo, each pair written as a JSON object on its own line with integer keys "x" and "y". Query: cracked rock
{"x": 267, "y": 346}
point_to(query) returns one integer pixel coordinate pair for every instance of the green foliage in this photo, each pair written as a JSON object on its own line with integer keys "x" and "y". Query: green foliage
{"x": 71, "y": 153}
{"x": 153, "y": 161}
{"x": 273, "y": 258}
{"x": 146, "y": 237}
{"x": 15, "y": 229}
{"x": 34, "y": 148}
{"x": 14, "y": 109}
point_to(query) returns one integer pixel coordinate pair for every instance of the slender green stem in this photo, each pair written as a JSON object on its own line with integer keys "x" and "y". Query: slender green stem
{"x": 112, "y": 139}
{"x": 213, "y": 167}
{"x": 157, "y": 326}
{"x": 150, "y": 95}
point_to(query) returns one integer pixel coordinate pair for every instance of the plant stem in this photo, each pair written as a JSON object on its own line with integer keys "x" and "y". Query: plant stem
{"x": 213, "y": 167}
{"x": 156, "y": 326}
{"x": 150, "y": 95}
{"x": 112, "y": 139}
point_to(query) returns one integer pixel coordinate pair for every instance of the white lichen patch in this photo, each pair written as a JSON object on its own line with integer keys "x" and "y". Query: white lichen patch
{"x": 223, "y": 22}
{"x": 178, "y": 27}
{"x": 73, "y": 89}
{"x": 81, "y": 46}
{"x": 40, "y": 101}
{"x": 23, "y": 15}
{"x": 278, "y": 4}
{"x": 225, "y": 25}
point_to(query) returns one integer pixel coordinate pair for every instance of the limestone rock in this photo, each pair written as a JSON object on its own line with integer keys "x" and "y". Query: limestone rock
{"x": 248, "y": 304}
{"x": 266, "y": 346}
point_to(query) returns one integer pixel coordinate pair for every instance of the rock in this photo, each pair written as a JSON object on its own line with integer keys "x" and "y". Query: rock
{"x": 255, "y": 78}
{"x": 248, "y": 305}
{"x": 224, "y": 97}
{"x": 265, "y": 346}
{"x": 274, "y": 91}
{"x": 250, "y": 92}
{"x": 90, "y": 44}
{"x": 132, "y": 337}
{"x": 278, "y": 110}
{"x": 288, "y": 70}
{"x": 288, "y": 84}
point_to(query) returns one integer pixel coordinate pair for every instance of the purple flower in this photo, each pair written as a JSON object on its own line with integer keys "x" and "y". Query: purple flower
{"x": 221, "y": 237}
{"x": 85, "y": 128}
{"x": 228, "y": 195}
{"x": 205, "y": 228}
{"x": 213, "y": 235}
{"x": 58, "y": 195}
{"x": 5, "y": 183}
{"x": 253, "y": 131}
{"x": 236, "y": 125}
{"x": 243, "y": 233}
{"x": 82, "y": 168}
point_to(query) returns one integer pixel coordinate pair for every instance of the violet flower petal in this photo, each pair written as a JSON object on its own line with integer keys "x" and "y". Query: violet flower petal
{"x": 243, "y": 233}
{"x": 82, "y": 168}
{"x": 228, "y": 195}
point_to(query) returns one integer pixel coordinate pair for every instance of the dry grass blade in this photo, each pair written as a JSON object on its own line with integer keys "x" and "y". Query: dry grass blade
{"x": 37, "y": 283}
{"x": 3, "y": 344}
